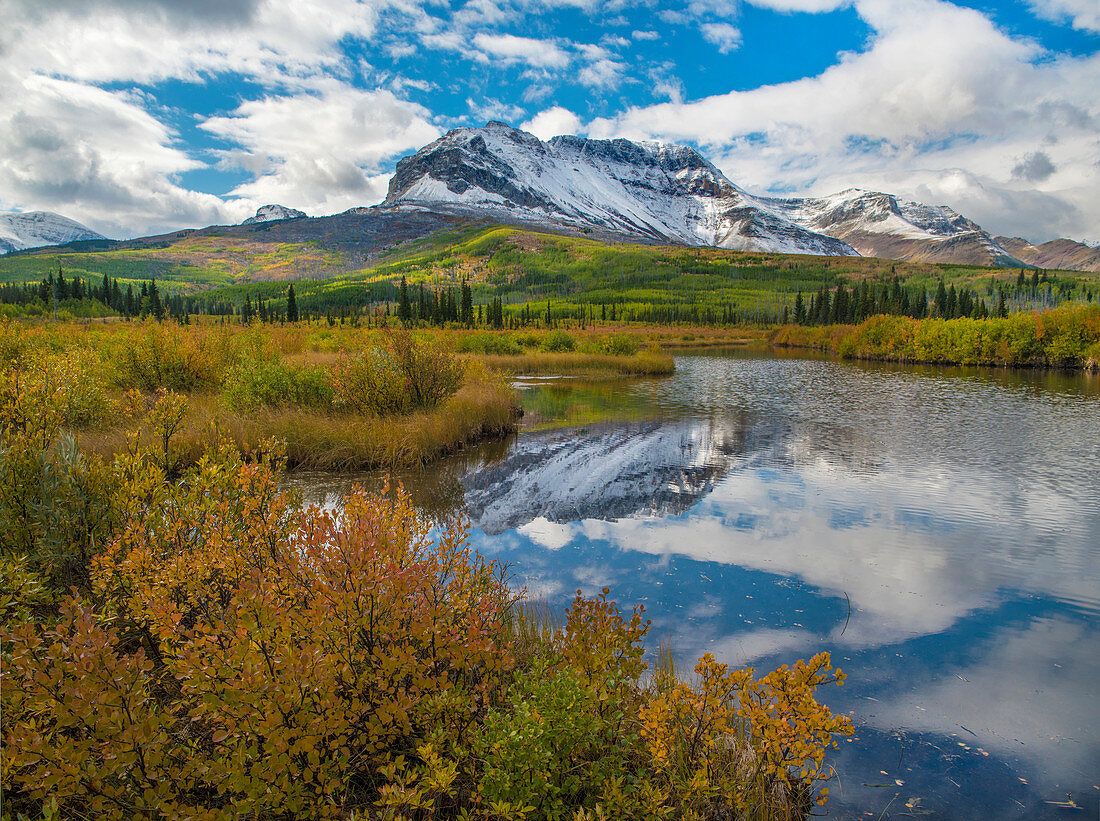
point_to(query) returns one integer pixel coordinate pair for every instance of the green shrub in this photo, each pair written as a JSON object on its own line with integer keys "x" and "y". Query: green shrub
{"x": 271, "y": 382}
{"x": 371, "y": 382}
{"x": 558, "y": 342}
{"x": 487, "y": 342}
{"x": 623, "y": 345}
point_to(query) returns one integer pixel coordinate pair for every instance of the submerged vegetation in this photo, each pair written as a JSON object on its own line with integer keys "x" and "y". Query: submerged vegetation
{"x": 190, "y": 641}
{"x": 1067, "y": 337}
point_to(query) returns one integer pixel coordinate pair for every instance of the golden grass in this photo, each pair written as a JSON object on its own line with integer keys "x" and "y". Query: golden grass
{"x": 335, "y": 441}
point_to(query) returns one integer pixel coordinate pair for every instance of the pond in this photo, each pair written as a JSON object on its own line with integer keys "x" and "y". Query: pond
{"x": 936, "y": 529}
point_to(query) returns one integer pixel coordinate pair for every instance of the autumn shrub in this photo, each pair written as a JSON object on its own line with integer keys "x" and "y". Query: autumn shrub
{"x": 1063, "y": 337}
{"x": 55, "y": 502}
{"x": 151, "y": 356}
{"x": 371, "y": 382}
{"x": 432, "y": 373}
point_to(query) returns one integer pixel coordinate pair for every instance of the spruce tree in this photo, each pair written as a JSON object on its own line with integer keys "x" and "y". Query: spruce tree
{"x": 404, "y": 308}
{"x": 292, "y": 305}
{"x": 156, "y": 307}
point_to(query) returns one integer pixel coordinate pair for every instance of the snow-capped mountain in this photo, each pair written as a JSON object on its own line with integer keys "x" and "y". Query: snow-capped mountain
{"x": 881, "y": 225}
{"x": 270, "y": 213}
{"x": 663, "y": 193}
{"x": 669, "y": 193}
{"x": 35, "y": 229}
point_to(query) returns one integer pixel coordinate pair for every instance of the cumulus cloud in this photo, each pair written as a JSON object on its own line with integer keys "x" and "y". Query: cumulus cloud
{"x": 724, "y": 35}
{"x": 134, "y": 41}
{"x": 321, "y": 151}
{"x": 528, "y": 50}
{"x": 96, "y": 156}
{"x": 553, "y": 122}
{"x": 602, "y": 74}
{"x": 1081, "y": 14}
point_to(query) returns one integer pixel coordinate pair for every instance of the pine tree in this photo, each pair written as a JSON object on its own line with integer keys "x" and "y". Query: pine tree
{"x": 467, "y": 304}
{"x": 404, "y": 308}
{"x": 292, "y": 305}
{"x": 799, "y": 310}
{"x": 156, "y": 307}
{"x": 951, "y": 311}
{"x": 940, "y": 301}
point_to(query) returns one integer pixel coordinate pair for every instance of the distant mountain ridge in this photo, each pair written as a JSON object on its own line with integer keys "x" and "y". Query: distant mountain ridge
{"x": 34, "y": 229}
{"x": 670, "y": 193}
{"x": 1058, "y": 253}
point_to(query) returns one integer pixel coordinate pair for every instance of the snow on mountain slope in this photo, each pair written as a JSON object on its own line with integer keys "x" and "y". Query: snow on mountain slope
{"x": 658, "y": 192}
{"x": 880, "y": 225}
{"x": 34, "y": 229}
{"x": 270, "y": 213}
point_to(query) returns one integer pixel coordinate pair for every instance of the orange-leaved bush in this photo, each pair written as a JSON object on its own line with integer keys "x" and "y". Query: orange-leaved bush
{"x": 251, "y": 657}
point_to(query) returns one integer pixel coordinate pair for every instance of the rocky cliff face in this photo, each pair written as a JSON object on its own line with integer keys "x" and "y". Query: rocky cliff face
{"x": 35, "y": 229}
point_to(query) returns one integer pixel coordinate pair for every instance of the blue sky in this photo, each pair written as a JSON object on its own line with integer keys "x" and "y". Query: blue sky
{"x": 136, "y": 116}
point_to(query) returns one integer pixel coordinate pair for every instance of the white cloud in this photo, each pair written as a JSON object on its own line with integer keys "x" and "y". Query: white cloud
{"x": 602, "y": 74}
{"x": 321, "y": 151}
{"x": 95, "y": 156}
{"x": 940, "y": 88}
{"x": 1081, "y": 14}
{"x": 645, "y": 35}
{"x": 724, "y": 35}
{"x": 528, "y": 50}
{"x": 811, "y": 6}
{"x": 553, "y": 122}
{"x": 131, "y": 41}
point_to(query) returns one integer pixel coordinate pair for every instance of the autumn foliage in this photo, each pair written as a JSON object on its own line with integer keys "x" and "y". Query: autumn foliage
{"x": 194, "y": 643}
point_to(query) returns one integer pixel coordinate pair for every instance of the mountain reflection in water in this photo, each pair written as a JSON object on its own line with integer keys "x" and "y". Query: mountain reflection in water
{"x": 937, "y": 530}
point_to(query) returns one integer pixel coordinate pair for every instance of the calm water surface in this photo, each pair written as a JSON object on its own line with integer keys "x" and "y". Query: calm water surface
{"x": 937, "y": 530}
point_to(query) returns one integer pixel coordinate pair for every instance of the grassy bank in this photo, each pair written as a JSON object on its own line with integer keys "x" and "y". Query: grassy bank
{"x": 1065, "y": 337}
{"x": 194, "y": 643}
{"x": 340, "y": 400}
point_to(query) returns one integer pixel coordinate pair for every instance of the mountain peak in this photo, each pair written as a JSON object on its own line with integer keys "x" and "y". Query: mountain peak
{"x": 34, "y": 229}
{"x": 270, "y": 213}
